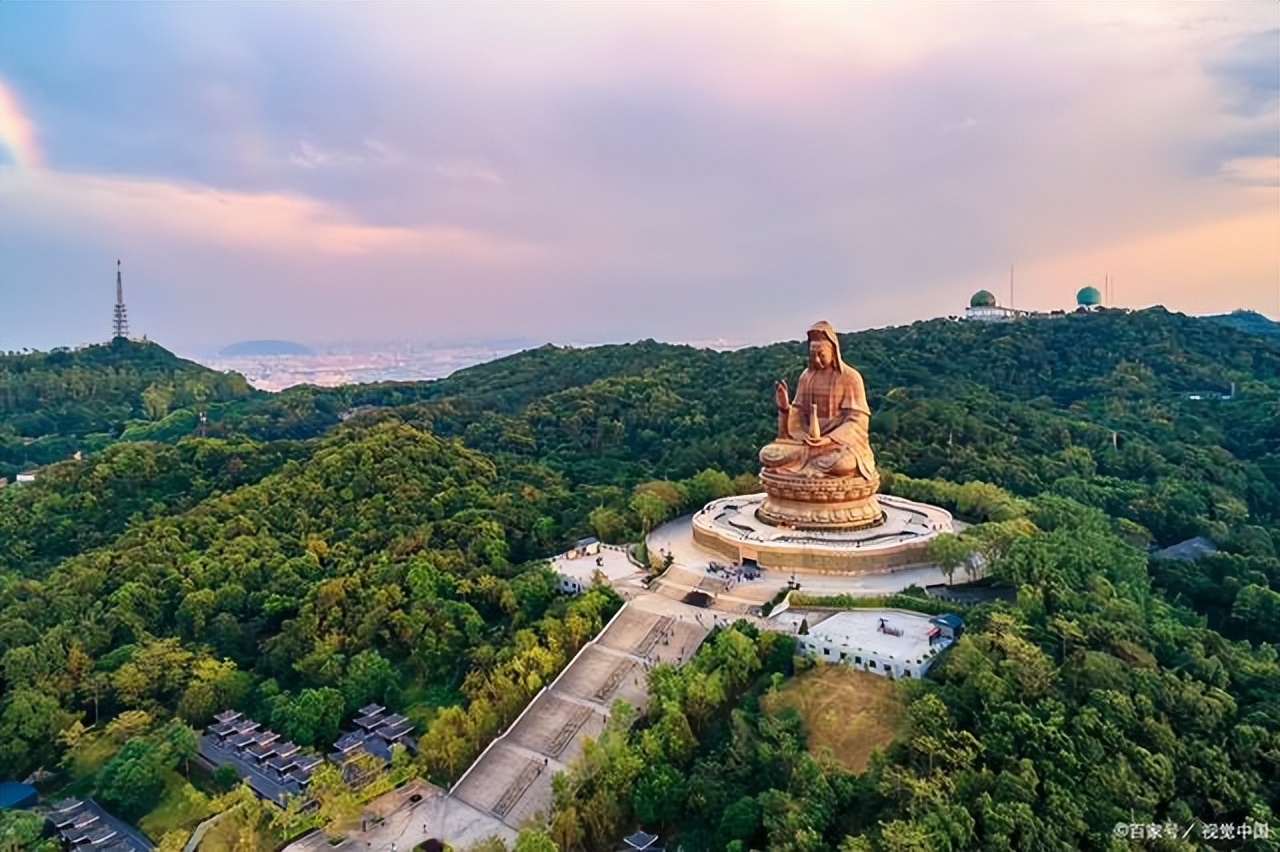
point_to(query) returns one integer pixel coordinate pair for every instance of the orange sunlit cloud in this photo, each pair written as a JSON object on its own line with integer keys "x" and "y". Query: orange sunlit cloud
{"x": 17, "y": 133}
{"x": 1208, "y": 267}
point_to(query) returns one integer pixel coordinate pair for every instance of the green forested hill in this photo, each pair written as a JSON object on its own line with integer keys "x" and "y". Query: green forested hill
{"x": 376, "y": 566}
{"x": 53, "y": 404}
{"x": 320, "y": 548}
{"x": 1094, "y": 406}
{"x": 1251, "y": 322}
{"x": 79, "y": 505}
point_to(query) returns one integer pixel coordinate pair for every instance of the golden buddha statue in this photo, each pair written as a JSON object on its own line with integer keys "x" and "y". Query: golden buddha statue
{"x": 820, "y": 473}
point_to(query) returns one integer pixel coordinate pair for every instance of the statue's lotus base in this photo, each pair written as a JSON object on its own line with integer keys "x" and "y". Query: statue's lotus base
{"x": 730, "y": 529}
{"x": 820, "y": 503}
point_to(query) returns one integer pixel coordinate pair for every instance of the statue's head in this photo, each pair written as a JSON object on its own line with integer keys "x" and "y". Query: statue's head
{"x": 821, "y": 354}
{"x": 824, "y": 346}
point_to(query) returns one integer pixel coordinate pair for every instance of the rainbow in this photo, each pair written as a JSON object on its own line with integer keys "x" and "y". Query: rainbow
{"x": 17, "y": 133}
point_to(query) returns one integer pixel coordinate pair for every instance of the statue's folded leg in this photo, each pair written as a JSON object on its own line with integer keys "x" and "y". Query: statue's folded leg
{"x": 841, "y": 462}
{"x": 778, "y": 454}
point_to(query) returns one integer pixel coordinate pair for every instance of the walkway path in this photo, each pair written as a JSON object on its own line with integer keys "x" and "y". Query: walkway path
{"x": 512, "y": 779}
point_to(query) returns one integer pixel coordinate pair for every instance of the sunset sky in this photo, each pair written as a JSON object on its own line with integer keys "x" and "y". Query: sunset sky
{"x": 602, "y": 172}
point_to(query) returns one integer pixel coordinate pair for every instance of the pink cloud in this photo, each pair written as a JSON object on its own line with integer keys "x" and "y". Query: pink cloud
{"x": 278, "y": 222}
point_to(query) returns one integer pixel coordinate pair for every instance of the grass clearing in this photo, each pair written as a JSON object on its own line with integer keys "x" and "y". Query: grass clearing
{"x": 181, "y": 808}
{"x": 91, "y": 754}
{"x": 233, "y": 831}
{"x": 846, "y": 713}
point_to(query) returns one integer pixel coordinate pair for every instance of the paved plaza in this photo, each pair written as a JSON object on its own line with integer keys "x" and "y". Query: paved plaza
{"x": 511, "y": 782}
{"x": 610, "y": 560}
{"x": 406, "y": 817}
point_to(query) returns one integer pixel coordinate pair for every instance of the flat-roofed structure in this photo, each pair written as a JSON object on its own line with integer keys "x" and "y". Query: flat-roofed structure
{"x": 85, "y": 826}
{"x": 15, "y": 795}
{"x": 893, "y": 642}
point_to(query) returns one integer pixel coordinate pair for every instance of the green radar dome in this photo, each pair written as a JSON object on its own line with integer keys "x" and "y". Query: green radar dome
{"x": 1089, "y": 297}
{"x": 983, "y": 299}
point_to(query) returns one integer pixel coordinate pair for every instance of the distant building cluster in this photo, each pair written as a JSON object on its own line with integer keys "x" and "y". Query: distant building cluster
{"x": 376, "y": 731}
{"x": 332, "y": 369}
{"x": 272, "y": 768}
{"x": 983, "y": 307}
{"x": 276, "y": 770}
{"x": 85, "y": 826}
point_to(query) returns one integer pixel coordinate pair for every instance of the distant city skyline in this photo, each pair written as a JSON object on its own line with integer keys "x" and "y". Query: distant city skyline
{"x": 613, "y": 172}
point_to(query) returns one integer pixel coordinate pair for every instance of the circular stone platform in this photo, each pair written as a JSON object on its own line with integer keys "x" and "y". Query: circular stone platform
{"x": 729, "y": 526}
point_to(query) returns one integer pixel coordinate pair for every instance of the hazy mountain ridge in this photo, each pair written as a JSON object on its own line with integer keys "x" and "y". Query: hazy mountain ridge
{"x": 1250, "y": 322}
{"x": 263, "y": 347}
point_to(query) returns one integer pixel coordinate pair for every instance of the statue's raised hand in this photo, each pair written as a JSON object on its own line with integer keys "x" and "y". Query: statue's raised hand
{"x": 780, "y": 396}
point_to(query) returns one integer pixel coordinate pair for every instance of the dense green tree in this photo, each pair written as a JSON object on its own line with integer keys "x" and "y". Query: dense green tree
{"x": 949, "y": 552}
{"x": 225, "y": 778}
{"x": 369, "y": 677}
{"x": 131, "y": 782}
{"x": 311, "y": 717}
{"x": 29, "y": 726}
{"x": 534, "y": 840}
{"x": 23, "y": 831}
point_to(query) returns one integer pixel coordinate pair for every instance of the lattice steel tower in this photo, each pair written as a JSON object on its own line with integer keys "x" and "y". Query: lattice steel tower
{"x": 122, "y": 318}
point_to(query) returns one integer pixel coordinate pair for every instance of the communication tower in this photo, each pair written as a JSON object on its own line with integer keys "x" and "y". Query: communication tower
{"x": 121, "y": 317}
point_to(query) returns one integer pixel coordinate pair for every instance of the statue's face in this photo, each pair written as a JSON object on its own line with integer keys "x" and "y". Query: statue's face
{"x": 821, "y": 353}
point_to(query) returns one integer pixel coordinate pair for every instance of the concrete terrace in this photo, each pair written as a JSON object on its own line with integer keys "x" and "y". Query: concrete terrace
{"x": 614, "y": 564}
{"x": 406, "y": 817}
{"x": 689, "y": 572}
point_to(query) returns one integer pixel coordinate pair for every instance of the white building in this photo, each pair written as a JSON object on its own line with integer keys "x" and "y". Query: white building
{"x": 893, "y": 642}
{"x": 583, "y": 548}
{"x": 983, "y": 307}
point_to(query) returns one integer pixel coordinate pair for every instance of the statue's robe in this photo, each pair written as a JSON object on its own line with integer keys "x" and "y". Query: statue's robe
{"x": 837, "y": 394}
